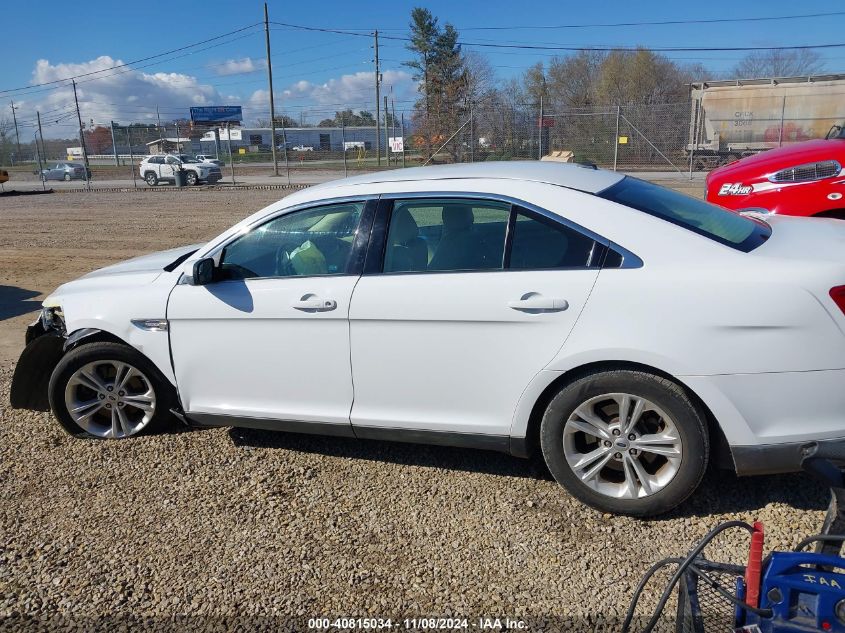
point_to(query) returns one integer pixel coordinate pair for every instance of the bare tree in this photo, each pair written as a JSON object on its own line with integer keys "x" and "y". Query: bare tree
{"x": 7, "y": 141}
{"x": 764, "y": 64}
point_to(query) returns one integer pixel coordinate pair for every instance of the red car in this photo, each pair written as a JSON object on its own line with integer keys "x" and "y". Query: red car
{"x": 802, "y": 179}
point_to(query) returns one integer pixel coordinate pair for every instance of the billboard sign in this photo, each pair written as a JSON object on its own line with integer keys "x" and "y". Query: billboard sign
{"x": 217, "y": 114}
{"x": 397, "y": 144}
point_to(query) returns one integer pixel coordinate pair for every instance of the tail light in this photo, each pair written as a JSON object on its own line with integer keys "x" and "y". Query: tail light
{"x": 837, "y": 293}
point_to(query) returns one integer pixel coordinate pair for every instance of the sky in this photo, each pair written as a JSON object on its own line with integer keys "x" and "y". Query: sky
{"x": 316, "y": 73}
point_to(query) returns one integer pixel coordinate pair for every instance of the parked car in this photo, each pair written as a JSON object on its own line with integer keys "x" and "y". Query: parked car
{"x": 303, "y": 148}
{"x": 65, "y": 171}
{"x": 162, "y": 168}
{"x": 801, "y": 179}
{"x": 203, "y": 158}
{"x": 627, "y": 333}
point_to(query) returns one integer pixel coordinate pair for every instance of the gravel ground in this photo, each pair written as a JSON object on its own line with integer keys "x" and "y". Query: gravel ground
{"x": 244, "y": 530}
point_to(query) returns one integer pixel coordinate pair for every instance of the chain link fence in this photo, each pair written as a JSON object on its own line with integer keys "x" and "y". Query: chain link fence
{"x": 666, "y": 137}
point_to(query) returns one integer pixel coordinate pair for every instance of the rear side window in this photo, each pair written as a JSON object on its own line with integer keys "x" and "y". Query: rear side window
{"x": 716, "y": 223}
{"x": 438, "y": 235}
{"x": 539, "y": 243}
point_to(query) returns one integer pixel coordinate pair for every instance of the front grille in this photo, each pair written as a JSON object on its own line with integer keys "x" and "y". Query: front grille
{"x": 808, "y": 172}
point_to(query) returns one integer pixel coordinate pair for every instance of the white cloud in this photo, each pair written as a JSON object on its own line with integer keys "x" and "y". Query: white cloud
{"x": 123, "y": 95}
{"x": 237, "y": 66}
{"x": 352, "y": 89}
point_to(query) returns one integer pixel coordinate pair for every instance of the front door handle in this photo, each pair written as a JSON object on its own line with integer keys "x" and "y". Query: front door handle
{"x": 310, "y": 303}
{"x": 533, "y": 302}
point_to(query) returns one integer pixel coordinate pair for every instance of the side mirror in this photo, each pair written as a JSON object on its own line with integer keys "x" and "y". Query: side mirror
{"x": 203, "y": 272}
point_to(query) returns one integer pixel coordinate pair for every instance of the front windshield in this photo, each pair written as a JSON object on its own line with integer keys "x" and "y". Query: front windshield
{"x": 187, "y": 159}
{"x": 698, "y": 216}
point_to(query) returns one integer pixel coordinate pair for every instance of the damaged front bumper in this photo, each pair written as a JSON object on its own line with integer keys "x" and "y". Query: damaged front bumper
{"x": 45, "y": 345}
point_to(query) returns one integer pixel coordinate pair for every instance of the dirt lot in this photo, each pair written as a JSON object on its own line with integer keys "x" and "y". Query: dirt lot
{"x": 206, "y": 530}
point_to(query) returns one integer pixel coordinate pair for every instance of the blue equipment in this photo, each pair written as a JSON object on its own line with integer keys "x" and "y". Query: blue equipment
{"x": 787, "y": 592}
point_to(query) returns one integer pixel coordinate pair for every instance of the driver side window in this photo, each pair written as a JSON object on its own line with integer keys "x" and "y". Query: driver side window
{"x": 303, "y": 243}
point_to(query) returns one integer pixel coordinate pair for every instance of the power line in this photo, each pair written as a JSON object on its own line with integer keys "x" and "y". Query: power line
{"x": 582, "y": 48}
{"x": 656, "y": 23}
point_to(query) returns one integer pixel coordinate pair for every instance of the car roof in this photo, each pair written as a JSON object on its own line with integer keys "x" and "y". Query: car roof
{"x": 568, "y": 175}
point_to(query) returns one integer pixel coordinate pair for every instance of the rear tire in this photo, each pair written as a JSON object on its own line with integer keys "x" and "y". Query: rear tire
{"x": 67, "y": 177}
{"x": 191, "y": 179}
{"x": 109, "y": 390}
{"x": 644, "y": 465}
{"x": 151, "y": 178}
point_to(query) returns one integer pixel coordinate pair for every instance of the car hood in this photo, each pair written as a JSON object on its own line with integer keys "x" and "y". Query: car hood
{"x": 152, "y": 263}
{"x": 774, "y": 160}
{"x": 132, "y": 273}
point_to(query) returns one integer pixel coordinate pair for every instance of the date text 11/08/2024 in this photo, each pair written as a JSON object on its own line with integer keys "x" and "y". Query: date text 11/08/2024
{"x": 431, "y": 623}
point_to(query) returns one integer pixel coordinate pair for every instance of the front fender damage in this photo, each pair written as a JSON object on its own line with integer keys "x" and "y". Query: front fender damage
{"x": 32, "y": 374}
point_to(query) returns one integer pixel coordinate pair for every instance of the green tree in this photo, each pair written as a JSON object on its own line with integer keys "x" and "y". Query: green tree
{"x": 442, "y": 75}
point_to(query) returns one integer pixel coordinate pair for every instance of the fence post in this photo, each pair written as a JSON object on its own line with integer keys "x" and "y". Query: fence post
{"x": 616, "y": 139}
{"x": 693, "y": 136}
{"x": 131, "y": 157}
{"x": 540, "y": 131}
{"x": 343, "y": 141}
{"x": 782, "y": 110}
{"x": 229, "y": 146}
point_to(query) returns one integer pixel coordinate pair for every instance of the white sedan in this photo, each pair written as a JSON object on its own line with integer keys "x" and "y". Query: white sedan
{"x": 627, "y": 333}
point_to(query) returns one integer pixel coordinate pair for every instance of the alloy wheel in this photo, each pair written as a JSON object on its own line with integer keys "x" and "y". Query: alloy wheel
{"x": 622, "y": 446}
{"x": 110, "y": 399}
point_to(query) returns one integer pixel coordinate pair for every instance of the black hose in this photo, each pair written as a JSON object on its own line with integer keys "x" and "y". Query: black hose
{"x": 824, "y": 538}
{"x": 682, "y": 567}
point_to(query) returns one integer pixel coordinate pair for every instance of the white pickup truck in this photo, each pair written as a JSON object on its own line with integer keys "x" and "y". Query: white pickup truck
{"x": 162, "y": 168}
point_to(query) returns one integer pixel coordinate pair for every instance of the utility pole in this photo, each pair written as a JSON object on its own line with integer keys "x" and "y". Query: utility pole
{"x": 81, "y": 137}
{"x": 114, "y": 146}
{"x": 378, "y": 104}
{"x": 42, "y": 152}
{"x": 40, "y": 166}
{"x": 272, "y": 101}
{"x": 17, "y": 135}
{"x": 160, "y": 135}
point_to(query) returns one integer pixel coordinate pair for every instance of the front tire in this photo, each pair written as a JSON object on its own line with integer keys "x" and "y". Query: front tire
{"x": 625, "y": 442}
{"x": 108, "y": 391}
{"x": 67, "y": 177}
{"x": 191, "y": 179}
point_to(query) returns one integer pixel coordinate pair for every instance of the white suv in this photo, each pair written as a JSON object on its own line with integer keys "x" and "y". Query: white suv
{"x": 163, "y": 167}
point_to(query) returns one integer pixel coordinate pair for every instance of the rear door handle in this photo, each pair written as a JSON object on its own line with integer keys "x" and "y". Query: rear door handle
{"x": 535, "y": 302}
{"x": 310, "y": 303}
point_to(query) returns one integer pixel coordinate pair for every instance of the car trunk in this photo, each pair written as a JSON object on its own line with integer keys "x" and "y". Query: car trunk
{"x": 816, "y": 247}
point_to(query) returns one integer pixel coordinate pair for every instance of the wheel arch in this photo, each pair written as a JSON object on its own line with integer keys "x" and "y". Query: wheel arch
{"x": 40, "y": 357}
{"x": 530, "y": 444}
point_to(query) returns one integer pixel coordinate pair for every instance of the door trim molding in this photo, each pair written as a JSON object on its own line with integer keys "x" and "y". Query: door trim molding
{"x": 270, "y": 424}
{"x": 498, "y": 443}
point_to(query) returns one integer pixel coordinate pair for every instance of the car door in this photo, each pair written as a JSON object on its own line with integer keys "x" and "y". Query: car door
{"x": 168, "y": 169}
{"x": 466, "y": 302}
{"x": 267, "y": 343}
